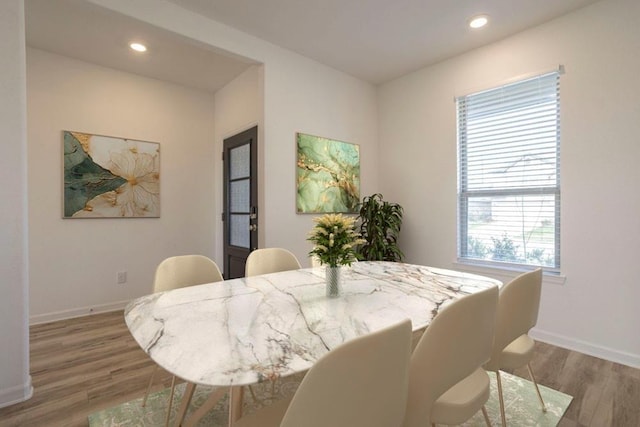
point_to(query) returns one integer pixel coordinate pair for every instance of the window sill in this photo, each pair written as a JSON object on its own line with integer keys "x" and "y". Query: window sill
{"x": 506, "y": 272}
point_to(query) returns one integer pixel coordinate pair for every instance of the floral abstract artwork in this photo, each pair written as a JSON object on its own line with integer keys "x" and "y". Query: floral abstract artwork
{"x": 107, "y": 177}
{"x": 328, "y": 175}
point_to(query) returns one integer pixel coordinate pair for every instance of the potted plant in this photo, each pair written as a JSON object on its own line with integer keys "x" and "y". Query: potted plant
{"x": 335, "y": 238}
{"x": 380, "y": 223}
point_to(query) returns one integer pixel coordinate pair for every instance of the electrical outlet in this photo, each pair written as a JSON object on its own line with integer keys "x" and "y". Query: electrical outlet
{"x": 122, "y": 277}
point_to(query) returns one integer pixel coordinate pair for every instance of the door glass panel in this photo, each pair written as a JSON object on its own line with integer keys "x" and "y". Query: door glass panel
{"x": 239, "y": 195}
{"x": 240, "y": 162}
{"x": 239, "y": 230}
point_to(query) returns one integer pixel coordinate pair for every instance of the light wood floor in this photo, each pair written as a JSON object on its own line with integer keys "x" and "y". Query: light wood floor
{"x": 604, "y": 393}
{"x": 82, "y": 365}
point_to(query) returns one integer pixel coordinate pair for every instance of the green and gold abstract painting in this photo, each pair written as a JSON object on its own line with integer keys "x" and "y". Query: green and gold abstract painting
{"x": 106, "y": 177}
{"x": 328, "y": 175}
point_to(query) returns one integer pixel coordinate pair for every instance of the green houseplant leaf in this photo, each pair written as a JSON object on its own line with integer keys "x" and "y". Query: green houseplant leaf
{"x": 380, "y": 224}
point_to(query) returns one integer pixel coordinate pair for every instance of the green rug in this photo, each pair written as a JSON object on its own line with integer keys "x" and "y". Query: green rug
{"x": 522, "y": 407}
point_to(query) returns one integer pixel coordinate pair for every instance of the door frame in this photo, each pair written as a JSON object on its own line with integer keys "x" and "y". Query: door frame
{"x": 231, "y": 252}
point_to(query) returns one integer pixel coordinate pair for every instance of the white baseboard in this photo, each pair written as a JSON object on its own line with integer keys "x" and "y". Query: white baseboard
{"x": 20, "y": 393}
{"x": 601, "y": 352}
{"x": 591, "y": 349}
{"x": 76, "y": 312}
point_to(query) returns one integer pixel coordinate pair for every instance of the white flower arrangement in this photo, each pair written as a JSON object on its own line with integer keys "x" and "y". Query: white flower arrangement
{"x": 335, "y": 238}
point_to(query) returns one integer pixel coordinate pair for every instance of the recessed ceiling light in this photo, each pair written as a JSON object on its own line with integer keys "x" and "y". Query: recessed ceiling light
{"x": 478, "y": 21}
{"x": 138, "y": 47}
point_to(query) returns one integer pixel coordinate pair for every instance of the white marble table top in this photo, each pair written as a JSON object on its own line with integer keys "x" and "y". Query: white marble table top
{"x": 249, "y": 330}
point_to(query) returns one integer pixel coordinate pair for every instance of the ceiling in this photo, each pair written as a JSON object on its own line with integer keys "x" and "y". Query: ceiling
{"x": 375, "y": 40}
{"x": 379, "y": 40}
{"x": 78, "y": 29}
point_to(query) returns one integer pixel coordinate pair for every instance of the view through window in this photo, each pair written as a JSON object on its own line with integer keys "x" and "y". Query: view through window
{"x": 509, "y": 173}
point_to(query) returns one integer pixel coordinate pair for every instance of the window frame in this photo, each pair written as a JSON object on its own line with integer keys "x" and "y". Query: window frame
{"x": 464, "y": 194}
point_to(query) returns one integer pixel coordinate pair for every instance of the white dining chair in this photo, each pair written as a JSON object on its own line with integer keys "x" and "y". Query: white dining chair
{"x": 517, "y": 313}
{"x": 362, "y": 383}
{"x": 265, "y": 261}
{"x": 315, "y": 261}
{"x": 270, "y": 260}
{"x": 179, "y": 272}
{"x": 447, "y": 384}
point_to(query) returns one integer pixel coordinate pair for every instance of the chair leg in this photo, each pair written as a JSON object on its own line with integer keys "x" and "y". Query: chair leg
{"x": 502, "y": 415}
{"x": 544, "y": 408}
{"x": 486, "y": 416}
{"x": 146, "y": 395}
{"x": 170, "y": 402}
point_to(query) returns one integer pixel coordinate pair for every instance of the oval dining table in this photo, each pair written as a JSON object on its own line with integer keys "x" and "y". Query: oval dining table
{"x": 249, "y": 330}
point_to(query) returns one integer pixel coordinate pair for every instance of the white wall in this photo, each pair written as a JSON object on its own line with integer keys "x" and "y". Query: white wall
{"x": 595, "y": 310}
{"x": 74, "y": 262}
{"x": 300, "y": 95}
{"x": 417, "y": 134}
{"x": 288, "y": 94}
{"x": 15, "y": 382}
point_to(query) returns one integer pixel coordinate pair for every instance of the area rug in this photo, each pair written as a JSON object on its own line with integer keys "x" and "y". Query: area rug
{"x": 522, "y": 407}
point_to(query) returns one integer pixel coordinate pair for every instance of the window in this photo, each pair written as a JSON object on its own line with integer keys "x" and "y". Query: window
{"x": 509, "y": 173}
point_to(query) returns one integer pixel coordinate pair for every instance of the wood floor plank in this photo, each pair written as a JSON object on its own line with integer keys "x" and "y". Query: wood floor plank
{"x": 584, "y": 377}
{"x": 110, "y": 361}
{"x": 565, "y": 422}
{"x": 82, "y": 365}
{"x": 619, "y": 402}
{"x": 47, "y": 410}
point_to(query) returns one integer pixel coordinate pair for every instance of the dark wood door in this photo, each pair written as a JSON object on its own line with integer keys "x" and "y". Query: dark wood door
{"x": 240, "y": 214}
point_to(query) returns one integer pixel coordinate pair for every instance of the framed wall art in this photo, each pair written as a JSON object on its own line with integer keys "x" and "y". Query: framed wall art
{"x": 108, "y": 177}
{"x": 328, "y": 175}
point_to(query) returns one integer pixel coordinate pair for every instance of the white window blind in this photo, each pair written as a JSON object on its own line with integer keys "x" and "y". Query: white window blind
{"x": 509, "y": 173}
